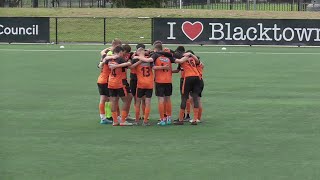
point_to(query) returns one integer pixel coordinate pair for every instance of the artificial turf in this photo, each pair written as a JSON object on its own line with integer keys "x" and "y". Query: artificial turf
{"x": 261, "y": 119}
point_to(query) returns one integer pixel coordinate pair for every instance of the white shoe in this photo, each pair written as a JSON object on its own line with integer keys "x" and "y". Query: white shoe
{"x": 129, "y": 118}
{"x": 198, "y": 121}
{"x": 126, "y": 123}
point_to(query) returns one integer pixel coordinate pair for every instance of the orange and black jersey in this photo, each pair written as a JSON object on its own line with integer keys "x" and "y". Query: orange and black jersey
{"x": 144, "y": 74}
{"x": 163, "y": 59}
{"x": 200, "y": 69}
{"x": 117, "y": 74}
{"x": 190, "y": 68}
{"x": 104, "y": 74}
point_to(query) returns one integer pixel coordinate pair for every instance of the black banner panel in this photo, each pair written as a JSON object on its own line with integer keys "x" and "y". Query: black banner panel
{"x": 24, "y": 29}
{"x": 294, "y": 32}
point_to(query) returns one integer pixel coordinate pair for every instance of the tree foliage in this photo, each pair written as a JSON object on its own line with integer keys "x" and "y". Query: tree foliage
{"x": 138, "y": 3}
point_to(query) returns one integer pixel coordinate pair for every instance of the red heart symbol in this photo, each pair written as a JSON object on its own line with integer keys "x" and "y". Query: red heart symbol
{"x": 192, "y": 30}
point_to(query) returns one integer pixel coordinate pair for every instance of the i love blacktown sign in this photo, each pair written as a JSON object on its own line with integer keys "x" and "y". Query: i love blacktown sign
{"x": 237, "y": 31}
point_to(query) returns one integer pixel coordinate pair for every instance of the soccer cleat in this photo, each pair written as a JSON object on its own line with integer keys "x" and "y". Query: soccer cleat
{"x": 169, "y": 121}
{"x": 146, "y": 123}
{"x": 198, "y": 121}
{"x": 126, "y": 123}
{"x": 176, "y": 120}
{"x": 115, "y": 124}
{"x": 162, "y": 123}
{"x": 105, "y": 121}
{"x": 110, "y": 118}
{"x": 178, "y": 123}
{"x": 136, "y": 123}
{"x": 187, "y": 118}
{"x": 194, "y": 123}
{"x": 129, "y": 118}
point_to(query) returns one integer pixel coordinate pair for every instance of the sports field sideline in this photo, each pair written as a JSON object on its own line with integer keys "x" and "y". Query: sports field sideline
{"x": 261, "y": 118}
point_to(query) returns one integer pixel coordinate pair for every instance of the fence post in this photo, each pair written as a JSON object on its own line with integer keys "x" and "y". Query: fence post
{"x": 56, "y": 30}
{"x": 104, "y": 30}
{"x": 152, "y": 26}
{"x": 292, "y": 5}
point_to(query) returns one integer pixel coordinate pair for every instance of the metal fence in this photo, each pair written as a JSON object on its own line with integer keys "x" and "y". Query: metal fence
{"x": 100, "y": 30}
{"x": 266, "y": 5}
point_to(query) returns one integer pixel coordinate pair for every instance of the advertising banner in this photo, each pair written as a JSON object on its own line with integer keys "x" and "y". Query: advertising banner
{"x": 302, "y": 32}
{"x": 24, "y": 29}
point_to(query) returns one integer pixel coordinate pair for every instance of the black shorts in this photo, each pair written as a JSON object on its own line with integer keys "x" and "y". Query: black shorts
{"x": 163, "y": 89}
{"x": 133, "y": 86}
{"x": 191, "y": 85}
{"x": 144, "y": 92}
{"x": 121, "y": 92}
{"x": 126, "y": 84}
{"x": 201, "y": 87}
{"x": 103, "y": 89}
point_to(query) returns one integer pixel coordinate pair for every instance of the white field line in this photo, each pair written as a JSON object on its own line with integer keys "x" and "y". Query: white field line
{"x": 199, "y": 52}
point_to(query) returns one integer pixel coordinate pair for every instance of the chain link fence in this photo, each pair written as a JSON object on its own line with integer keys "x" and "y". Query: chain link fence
{"x": 265, "y": 5}
{"x": 100, "y": 30}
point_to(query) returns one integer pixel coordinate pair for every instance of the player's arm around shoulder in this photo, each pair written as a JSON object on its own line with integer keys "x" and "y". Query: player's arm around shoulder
{"x": 134, "y": 62}
{"x": 183, "y": 59}
{"x": 121, "y": 63}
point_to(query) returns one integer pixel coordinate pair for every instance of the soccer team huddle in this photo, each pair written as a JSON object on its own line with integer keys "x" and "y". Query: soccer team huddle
{"x": 150, "y": 69}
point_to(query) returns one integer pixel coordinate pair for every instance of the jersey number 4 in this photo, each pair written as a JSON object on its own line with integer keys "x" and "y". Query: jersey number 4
{"x": 146, "y": 71}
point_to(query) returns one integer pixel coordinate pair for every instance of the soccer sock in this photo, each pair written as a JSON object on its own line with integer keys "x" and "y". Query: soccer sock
{"x": 161, "y": 110}
{"x": 108, "y": 110}
{"x": 115, "y": 117}
{"x": 188, "y": 106}
{"x": 102, "y": 111}
{"x": 123, "y": 116}
{"x": 168, "y": 108}
{"x": 181, "y": 114}
{"x": 146, "y": 114}
{"x": 195, "y": 113}
{"x": 200, "y": 113}
{"x": 137, "y": 108}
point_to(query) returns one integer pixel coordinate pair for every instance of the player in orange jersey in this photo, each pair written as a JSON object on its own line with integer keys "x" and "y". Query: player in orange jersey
{"x": 116, "y": 88}
{"x": 103, "y": 90}
{"x": 179, "y": 53}
{"x": 128, "y": 57}
{"x": 191, "y": 86}
{"x": 143, "y": 66}
{"x": 200, "y": 68}
{"x": 163, "y": 79}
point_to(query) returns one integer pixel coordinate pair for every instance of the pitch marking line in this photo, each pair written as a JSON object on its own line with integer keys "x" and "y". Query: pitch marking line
{"x": 203, "y": 52}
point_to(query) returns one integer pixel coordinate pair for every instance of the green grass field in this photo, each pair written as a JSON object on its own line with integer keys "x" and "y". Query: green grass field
{"x": 261, "y": 119}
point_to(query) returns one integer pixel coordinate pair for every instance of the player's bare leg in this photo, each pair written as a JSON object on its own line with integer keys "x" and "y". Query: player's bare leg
{"x": 168, "y": 109}
{"x": 200, "y": 110}
{"x": 129, "y": 100}
{"x": 143, "y": 106}
{"x": 147, "y": 112}
{"x": 137, "y": 109}
{"x": 102, "y": 110}
{"x": 195, "y": 98}
{"x": 124, "y": 111}
{"x": 161, "y": 107}
{"x": 114, "y": 106}
{"x": 183, "y": 105}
